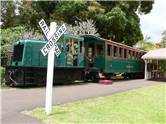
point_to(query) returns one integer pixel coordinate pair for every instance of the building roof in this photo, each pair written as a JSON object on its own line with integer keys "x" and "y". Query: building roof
{"x": 156, "y": 54}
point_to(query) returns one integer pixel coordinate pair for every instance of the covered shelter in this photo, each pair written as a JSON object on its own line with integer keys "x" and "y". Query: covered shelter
{"x": 155, "y": 64}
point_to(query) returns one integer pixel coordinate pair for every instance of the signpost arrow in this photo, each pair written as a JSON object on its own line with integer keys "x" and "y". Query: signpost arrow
{"x": 49, "y": 48}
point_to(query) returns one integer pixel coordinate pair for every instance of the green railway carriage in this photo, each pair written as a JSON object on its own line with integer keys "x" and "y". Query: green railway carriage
{"x": 28, "y": 65}
{"x": 115, "y": 57}
{"x": 27, "y": 53}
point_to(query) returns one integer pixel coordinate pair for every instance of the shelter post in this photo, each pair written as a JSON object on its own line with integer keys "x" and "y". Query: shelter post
{"x": 146, "y": 72}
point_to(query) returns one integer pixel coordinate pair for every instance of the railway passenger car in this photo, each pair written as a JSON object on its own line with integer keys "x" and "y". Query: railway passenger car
{"x": 79, "y": 54}
{"x": 115, "y": 57}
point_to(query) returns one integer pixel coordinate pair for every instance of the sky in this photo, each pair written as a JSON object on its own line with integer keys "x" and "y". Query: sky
{"x": 154, "y": 23}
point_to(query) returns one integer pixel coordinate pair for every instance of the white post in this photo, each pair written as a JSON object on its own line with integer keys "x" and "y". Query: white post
{"x": 146, "y": 73}
{"x": 50, "y": 72}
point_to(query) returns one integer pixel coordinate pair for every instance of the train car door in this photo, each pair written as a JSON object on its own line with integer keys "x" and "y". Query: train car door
{"x": 29, "y": 56}
{"x": 100, "y": 56}
{"x": 72, "y": 52}
{"x": 89, "y": 54}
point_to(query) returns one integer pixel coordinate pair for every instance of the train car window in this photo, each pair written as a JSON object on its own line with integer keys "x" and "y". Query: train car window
{"x": 129, "y": 54}
{"x": 109, "y": 50}
{"x": 91, "y": 49}
{"x": 115, "y": 51}
{"x": 125, "y": 53}
{"x": 81, "y": 47}
{"x": 75, "y": 49}
{"x": 120, "y": 52}
{"x": 18, "y": 52}
{"x": 132, "y": 54}
{"x": 137, "y": 57}
{"x": 99, "y": 49}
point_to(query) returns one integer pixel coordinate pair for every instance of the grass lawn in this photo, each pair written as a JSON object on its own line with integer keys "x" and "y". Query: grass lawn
{"x": 140, "y": 106}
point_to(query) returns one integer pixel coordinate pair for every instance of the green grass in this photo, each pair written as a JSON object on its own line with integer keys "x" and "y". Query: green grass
{"x": 139, "y": 106}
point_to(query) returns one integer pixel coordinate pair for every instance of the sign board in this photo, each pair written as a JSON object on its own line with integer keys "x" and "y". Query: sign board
{"x": 53, "y": 39}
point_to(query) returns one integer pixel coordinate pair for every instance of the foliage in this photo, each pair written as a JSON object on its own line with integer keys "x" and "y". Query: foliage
{"x": 11, "y": 35}
{"x": 2, "y": 73}
{"x": 163, "y": 41}
{"x": 139, "y": 106}
{"x": 8, "y": 15}
{"x": 32, "y": 11}
{"x": 84, "y": 27}
{"x": 116, "y": 20}
{"x": 8, "y": 37}
{"x": 162, "y": 65}
{"x": 146, "y": 44}
{"x": 145, "y": 6}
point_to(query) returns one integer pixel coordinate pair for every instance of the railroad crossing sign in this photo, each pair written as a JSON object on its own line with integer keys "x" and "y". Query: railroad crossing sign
{"x": 52, "y": 39}
{"x": 50, "y": 48}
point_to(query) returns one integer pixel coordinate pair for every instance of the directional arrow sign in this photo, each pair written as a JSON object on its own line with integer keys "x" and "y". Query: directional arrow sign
{"x": 53, "y": 39}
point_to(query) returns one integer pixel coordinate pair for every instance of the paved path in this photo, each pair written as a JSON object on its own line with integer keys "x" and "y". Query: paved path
{"x": 15, "y": 101}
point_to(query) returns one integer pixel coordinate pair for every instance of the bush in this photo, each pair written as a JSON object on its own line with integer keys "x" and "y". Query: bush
{"x": 2, "y": 73}
{"x": 163, "y": 65}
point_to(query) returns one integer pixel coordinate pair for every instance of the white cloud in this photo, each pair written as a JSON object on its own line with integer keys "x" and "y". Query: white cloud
{"x": 154, "y": 23}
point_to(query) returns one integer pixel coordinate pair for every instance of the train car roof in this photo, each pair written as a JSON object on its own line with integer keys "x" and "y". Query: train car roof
{"x": 113, "y": 42}
{"x": 44, "y": 41}
{"x": 30, "y": 41}
{"x": 73, "y": 36}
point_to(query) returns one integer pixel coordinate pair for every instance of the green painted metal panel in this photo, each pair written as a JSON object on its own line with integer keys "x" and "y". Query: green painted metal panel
{"x": 32, "y": 55}
{"x": 99, "y": 62}
{"x": 123, "y": 65}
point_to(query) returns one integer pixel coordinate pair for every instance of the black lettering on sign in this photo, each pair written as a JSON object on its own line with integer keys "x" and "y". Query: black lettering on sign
{"x": 47, "y": 46}
{"x": 53, "y": 38}
{"x": 45, "y": 51}
{"x": 60, "y": 31}
{"x": 56, "y": 50}
{"x": 46, "y": 32}
{"x": 51, "y": 42}
{"x": 44, "y": 28}
{"x": 63, "y": 28}
{"x": 56, "y": 36}
{"x": 56, "y": 46}
{"x": 41, "y": 22}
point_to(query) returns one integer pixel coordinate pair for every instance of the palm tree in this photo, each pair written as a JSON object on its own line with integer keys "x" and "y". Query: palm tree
{"x": 163, "y": 40}
{"x": 146, "y": 44}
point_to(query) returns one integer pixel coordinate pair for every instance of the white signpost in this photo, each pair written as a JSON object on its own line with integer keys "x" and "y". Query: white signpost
{"x": 50, "y": 48}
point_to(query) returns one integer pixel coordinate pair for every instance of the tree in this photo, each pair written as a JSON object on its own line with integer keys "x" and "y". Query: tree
{"x": 146, "y": 44}
{"x": 11, "y": 35}
{"x": 83, "y": 27}
{"x": 163, "y": 40}
{"x": 115, "y": 20}
{"x": 32, "y": 11}
{"x": 121, "y": 22}
{"x": 8, "y": 14}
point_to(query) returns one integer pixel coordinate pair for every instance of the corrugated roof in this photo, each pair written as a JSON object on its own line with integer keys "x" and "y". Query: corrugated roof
{"x": 157, "y": 54}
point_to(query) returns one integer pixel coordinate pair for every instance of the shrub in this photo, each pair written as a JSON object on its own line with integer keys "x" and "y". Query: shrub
{"x": 2, "y": 73}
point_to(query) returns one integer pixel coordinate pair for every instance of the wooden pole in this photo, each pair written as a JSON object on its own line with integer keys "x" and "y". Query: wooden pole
{"x": 50, "y": 72}
{"x": 146, "y": 73}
